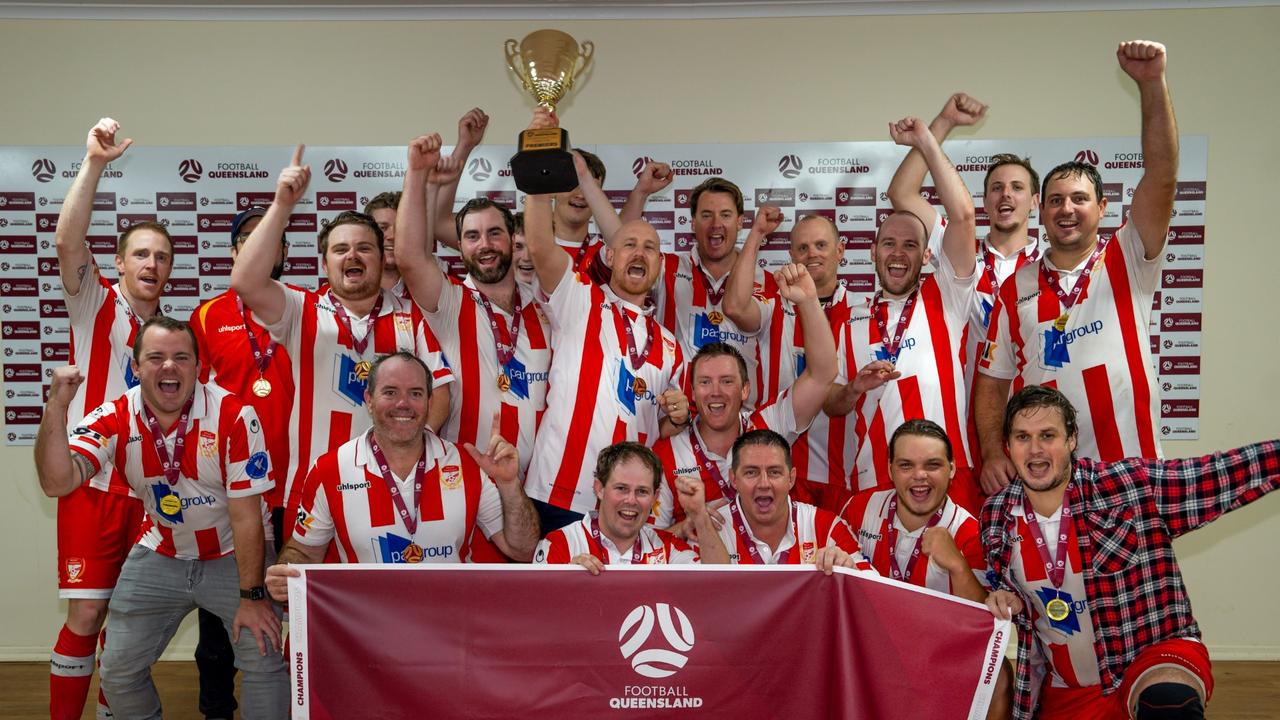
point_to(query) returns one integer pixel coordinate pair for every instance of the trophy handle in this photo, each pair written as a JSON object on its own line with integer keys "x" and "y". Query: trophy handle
{"x": 587, "y": 51}
{"x": 512, "y": 50}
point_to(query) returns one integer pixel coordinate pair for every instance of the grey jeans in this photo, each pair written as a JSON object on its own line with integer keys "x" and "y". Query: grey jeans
{"x": 152, "y": 596}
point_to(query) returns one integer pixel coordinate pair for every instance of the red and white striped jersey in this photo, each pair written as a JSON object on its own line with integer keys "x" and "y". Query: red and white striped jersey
{"x": 1101, "y": 360}
{"x": 678, "y": 458}
{"x": 657, "y": 547}
{"x": 226, "y": 358}
{"x": 931, "y": 360}
{"x": 588, "y": 258}
{"x": 223, "y": 456}
{"x": 808, "y": 529}
{"x": 462, "y": 325}
{"x": 102, "y": 331}
{"x": 346, "y": 499}
{"x": 868, "y": 514}
{"x": 592, "y": 400}
{"x": 328, "y": 407}
{"x": 686, "y": 307}
{"x": 1068, "y": 644}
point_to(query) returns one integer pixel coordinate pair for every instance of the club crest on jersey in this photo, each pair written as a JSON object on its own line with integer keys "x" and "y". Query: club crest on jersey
{"x": 208, "y": 444}
{"x": 1070, "y": 624}
{"x": 257, "y": 466}
{"x": 392, "y": 548}
{"x": 404, "y": 323}
{"x": 517, "y": 378}
{"x": 350, "y": 379}
{"x": 657, "y": 557}
{"x": 168, "y": 504}
{"x": 74, "y": 567}
{"x": 450, "y": 477}
{"x": 706, "y": 328}
{"x": 130, "y": 380}
{"x": 808, "y": 553}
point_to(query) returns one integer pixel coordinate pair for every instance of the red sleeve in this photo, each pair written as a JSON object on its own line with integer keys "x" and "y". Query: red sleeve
{"x": 970, "y": 544}
{"x": 558, "y": 552}
{"x": 856, "y": 509}
{"x": 197, "y": 323}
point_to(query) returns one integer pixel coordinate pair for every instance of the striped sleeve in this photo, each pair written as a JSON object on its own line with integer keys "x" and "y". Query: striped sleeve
{"x": 247, "y": 465}
{"x": 314, "y": 525}
{"x": 94, "y": 438}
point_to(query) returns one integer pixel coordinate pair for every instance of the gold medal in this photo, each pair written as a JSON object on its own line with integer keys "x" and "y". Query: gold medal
{"x": 170, "y": 504}
{"x": 1061, "y": 323}
{"x": 362, "y": 370}
{"x": 640, "y": 386}
{"x": 715, "y": 317}
{"x": 504, "y": 382}
{"x": 261, "y": 387}
{"x": 1057, "y": 609}
{"x": 412, "y": 554}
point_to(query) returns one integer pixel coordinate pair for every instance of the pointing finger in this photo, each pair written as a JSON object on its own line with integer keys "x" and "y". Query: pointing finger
{"x": 297, "y": 155}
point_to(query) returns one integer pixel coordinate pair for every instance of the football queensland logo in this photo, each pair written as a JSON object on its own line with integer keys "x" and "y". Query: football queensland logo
{"x": 335, "y": 169}
{"x": 190, "y": 170}
{"x": 43, "y": 170}
{"x": 1087, "y": 156}
{"x": 638, "y": 165}
{"x": 656, "y": 662}
{"x": 790, "y": 166}
{"x": 480, "y": 169}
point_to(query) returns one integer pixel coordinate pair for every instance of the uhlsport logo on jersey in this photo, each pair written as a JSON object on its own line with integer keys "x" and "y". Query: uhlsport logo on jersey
{"x": 43, "y": 170}
{"x": 190, "y": 170}
{"x": 790, "y": 166}
{"x": 636, "y": 630}
{"x": 1088, "y": 155}
{"x": 480, "y": 169}
{"x": 638, "y": 165}
{"x": 335, "y": 169}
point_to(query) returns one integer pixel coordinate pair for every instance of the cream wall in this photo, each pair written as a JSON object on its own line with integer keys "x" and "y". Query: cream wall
{"x": 380, "y": 83}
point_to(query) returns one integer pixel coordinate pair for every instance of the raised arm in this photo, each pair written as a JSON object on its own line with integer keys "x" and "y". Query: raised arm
{"x": 739, "y": 288}
{"x": 601, "y": 209}
{"x": 654, "y": 178}
{"x": 958, "y": 240}
{"x": 75, "y": 260}
{"x": 549, "y": 262}
{"x": 1192, "y": 492}
{"x": 904, "y": 190}
{"x": 59, "y": 470}
{"x": 1144, "y": 61}
{"x": 422, "y": 276}
{"x": 251, "y": 274}
{"x": 471, "y": 127}
{"x": 809, "y": 391}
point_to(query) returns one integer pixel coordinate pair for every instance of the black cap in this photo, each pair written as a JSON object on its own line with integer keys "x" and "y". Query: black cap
{"x": 244, "y": 217}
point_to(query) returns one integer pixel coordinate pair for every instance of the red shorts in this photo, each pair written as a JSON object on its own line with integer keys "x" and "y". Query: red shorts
{"x": 96, "y": 529}
{"x": 1089, "y": 702}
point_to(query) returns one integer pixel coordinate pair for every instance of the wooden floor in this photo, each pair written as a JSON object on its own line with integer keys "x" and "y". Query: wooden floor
{"x": 1244, "y": 691}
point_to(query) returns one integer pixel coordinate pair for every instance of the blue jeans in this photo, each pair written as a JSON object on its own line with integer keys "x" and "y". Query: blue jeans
{"x": 152, "y": 596}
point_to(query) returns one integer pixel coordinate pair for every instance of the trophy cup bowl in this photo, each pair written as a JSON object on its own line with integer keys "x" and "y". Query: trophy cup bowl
{"x": 547, "y": 63}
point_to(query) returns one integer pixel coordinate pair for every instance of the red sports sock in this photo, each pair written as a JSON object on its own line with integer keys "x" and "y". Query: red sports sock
{"x": 70, "y": 672}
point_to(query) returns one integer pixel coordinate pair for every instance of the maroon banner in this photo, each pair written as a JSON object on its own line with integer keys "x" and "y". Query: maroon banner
{"x": 732, "y": 642}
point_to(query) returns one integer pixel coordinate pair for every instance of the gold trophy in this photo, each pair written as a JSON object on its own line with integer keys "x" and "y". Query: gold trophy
{"x": 547, "y": 62}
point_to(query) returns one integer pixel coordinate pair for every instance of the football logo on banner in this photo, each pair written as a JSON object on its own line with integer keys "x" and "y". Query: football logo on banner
{"x": 790, "y": 166}
{"x": 190, "y": 170}
{"x": 480, "y": 169}
{"x": 335, "y": 170}
{"x": 656, "y": 662}
{"x": 43, "y": 170}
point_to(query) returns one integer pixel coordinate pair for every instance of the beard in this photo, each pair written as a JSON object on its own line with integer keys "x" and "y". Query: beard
{"x": 488, "y": 275}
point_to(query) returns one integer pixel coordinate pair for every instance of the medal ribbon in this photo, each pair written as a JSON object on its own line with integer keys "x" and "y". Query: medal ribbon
{"x": 713, "y": 296}
{"x": 504, "y": 343}
{"x": 892, "y": 538}
{"x": 419, "y": 473}
{"x": 989, "y": 263}
{"x": 1069, "y": 299}
{"x": 891, "y": 347}
{"x": 637, "y": 356}
{"x": 582, "y": 252}
{"x": 1054, "y": 567}
{"x": 604, "y": 554}
{"x": 344, "y": 320}
{"x": 260, "y": 358}
{"x": 710, "y": 467}
{"x": 171, "y": 464}
{"x": 745, "y": 539}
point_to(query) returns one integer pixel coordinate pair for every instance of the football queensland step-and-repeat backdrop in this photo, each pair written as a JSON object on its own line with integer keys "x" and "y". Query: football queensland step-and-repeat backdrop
{"x": 196, "y": 191}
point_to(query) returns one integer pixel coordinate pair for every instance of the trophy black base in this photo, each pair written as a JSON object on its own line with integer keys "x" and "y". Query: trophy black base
{"x": 544, "y": 164}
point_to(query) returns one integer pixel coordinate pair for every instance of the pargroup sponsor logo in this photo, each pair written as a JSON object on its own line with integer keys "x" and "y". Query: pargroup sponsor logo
{"x": 331, "y": 201}
{"x": 43, "y": 170}
{"x": 190, "y": 170}
{"x": 379, "y": 169}
{"x": 782, "y": 197}
{"x": 176, "y": 201}
{"x": 480, "y": 169}
{"x": 855, "y": 196}
{"x": 17, "y": 201}
{"x": 790, "y": 166}
{"x": 638, "y": 165}
{"x": 1088, "y": 155}
{"x": 695, "y": 166}
{"x": 1124, "y": 160}
{"x": 335, "y": 169}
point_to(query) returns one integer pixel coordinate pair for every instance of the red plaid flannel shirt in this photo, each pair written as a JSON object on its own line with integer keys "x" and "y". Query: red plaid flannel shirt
{"x": 1127, "y": 514}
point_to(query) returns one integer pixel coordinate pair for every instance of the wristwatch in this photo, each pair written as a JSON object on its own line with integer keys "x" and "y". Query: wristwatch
{"x": 254, "y": 593}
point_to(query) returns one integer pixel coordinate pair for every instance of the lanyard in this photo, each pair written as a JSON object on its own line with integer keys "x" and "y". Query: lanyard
{"x": 637, "y": 356}
{"x": 892, "y": 346}
{"x": 344, "y": 320}
{"x": 746, "y": 540}
{"x": 711, "y": 467}
{"x": 260, "y": 358}
{"x": 1069, "y": 299}
{"x": 714, "y": 296}
{"x": 891, "y": 535}
{"x": 420, "y": 472}
{"x": 170, "y": 464}
{"x": 1055, "y": 566}
{"x": 504, "y": 343}
{"x": 989, "y": 263}
{"x": 604, "y": 554}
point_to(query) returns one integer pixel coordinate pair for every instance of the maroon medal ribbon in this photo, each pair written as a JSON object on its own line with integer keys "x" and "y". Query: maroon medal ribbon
{"x": 709, "y": 466}
{"x": 745, "y": 539}
{"x": 261, "y": 358}
{"x": 637, "y": 356}
{"x": 1055, "y": 566}
{"x": 989, "y": 263}
{"x": 891, "y": 536}
{"x": 419, "y": 473}
{"x": 713, "y": 296}
{"x": 1069, "y": 299}
{"x": 344, "y": 320}
{"x": 881, "y": 311}
{"x": 504, "y": 343}
{"x": 171, "y": 464}
{"x": 604, "y": 554}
